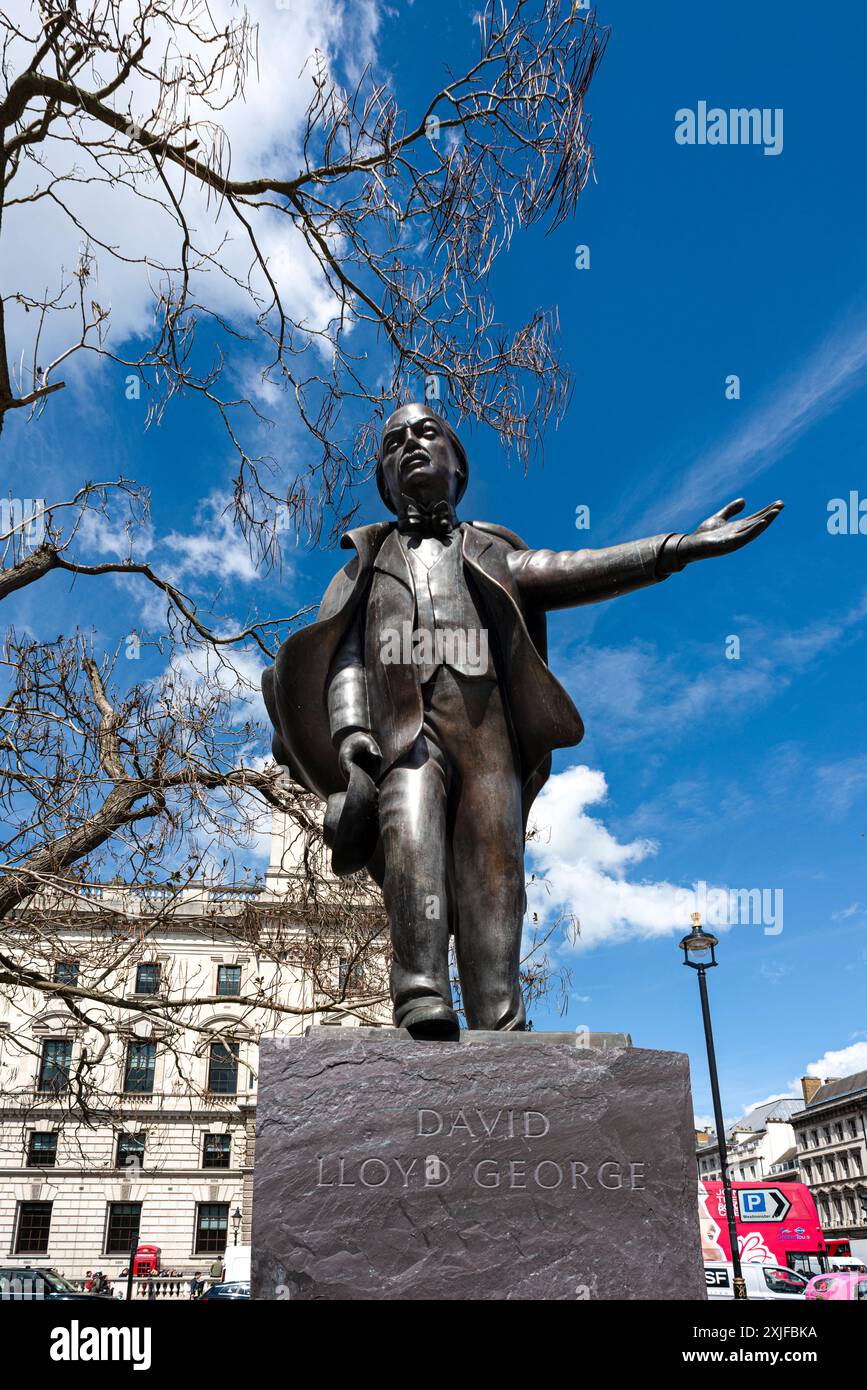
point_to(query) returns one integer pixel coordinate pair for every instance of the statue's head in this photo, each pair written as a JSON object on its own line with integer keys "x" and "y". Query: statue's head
{"x": 420, "y": 458}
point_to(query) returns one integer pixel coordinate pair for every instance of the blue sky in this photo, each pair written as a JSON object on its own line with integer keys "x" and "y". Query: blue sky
{"x": 704, "y": 261}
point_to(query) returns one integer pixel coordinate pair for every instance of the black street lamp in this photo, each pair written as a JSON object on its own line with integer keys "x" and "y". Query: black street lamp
{"x": 236, "y": 1223}
{"x": 701, "y": 946}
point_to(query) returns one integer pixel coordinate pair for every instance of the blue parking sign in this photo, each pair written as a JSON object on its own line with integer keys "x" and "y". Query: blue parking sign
{"x": 762, "y": 1204}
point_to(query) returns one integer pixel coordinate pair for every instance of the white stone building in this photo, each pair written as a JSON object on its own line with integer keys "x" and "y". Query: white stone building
{"x": 756, "y": 1145}
{"x": 831, "y": 1135}
{"x": 165, "y": 1153}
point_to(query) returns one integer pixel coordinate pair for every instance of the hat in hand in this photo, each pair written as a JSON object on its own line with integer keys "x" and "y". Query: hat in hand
{"x": 351, "y": 825}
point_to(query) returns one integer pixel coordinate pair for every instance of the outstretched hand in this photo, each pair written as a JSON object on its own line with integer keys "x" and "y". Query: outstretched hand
{"x": 719, "y": 534}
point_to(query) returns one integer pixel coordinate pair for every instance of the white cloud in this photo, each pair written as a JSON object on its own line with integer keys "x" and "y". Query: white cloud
{"x": 791, "y": 1094}
{"x": 102, "y": 538}
{"x": 774, "y": 971}
{"x": 264, "y": 132}
{"x": 853, "y": 910}
{"x": 843, "y": 784}
{"x": 829, "y": 374}
{"x": 215, "y": 547}
{"x": 582, "y": 870}
{"x": 844, "y": 1062}
{"x": 642, "y": 689}
{"x": 633, "y": 691}
{"x": 239, "y": 674}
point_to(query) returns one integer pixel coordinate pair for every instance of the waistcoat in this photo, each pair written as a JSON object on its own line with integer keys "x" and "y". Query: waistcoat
{"x": 455, "y": 631}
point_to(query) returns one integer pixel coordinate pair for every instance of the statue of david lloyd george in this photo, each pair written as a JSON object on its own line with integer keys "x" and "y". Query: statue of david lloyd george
{"x": 421, "y": 707}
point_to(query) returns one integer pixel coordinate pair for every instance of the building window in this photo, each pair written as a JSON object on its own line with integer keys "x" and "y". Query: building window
{"x": 838, "y": 1130}
{"x": 65, "y": 972}
{"x": 34, "y": 1224}
{"x": 212, "y": 1223}
{"x": 223, "y": 1068}
{"x": 853, "y": 1130}
{"x": 122, "y": 1230}
{"x": 54, "y": 1065}
{"x": 229, "y": 980}
{"x": 138, "y": 1076}
{"x": 217, "y": 1151}
{"x": 130, "y": 1151}
{"x": 41, "y": 1149}
{"x": 147, "y": 977}
{"x": 349, "y": 977}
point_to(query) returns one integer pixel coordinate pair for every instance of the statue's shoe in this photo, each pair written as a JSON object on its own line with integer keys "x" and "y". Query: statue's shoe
{"x": 432, "y": 1023}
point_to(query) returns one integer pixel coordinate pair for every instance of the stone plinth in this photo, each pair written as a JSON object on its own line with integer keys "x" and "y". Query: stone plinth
{"x": 501, "y": 1166}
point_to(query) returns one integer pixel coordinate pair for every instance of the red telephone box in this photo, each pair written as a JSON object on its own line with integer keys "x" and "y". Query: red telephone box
{"x": 147, "y": 1261}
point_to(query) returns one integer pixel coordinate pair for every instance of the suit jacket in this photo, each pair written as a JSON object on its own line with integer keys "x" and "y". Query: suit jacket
{"x": 324, "y": 683}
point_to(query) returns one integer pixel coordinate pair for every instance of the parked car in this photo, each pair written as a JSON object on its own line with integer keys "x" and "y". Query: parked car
{"x": 240, "y": 1289}
{"x": 236, "y": 1264}
{"x": 842, "y": 1285}
{"x": 847, "y": 1264}
{"x": 763, "y": 1281}
{"x": 28, "y": 1284}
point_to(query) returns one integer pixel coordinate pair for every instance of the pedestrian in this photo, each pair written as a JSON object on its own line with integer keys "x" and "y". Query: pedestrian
{"x": 197, "y": 1285}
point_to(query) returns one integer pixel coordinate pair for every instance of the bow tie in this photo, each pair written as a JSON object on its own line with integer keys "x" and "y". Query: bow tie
{"x": 438, "y": 520}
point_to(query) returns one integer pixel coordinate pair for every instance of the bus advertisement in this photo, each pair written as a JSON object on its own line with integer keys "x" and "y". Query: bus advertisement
{"x": 777, "y": 1223}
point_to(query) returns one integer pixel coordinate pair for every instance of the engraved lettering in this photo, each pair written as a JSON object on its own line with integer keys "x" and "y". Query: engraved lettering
{"x": 436, "y": 1172}
{"x": 611, "y": 1186}
{"x": 341, "y": 1170}
{"x": 366, "y": 1165}
{"x": 576, "y": 1174}
{"x": 516, "y": 1170}
{"x": 406, "y": 1173}
{"x": 460, "y": 1122}
{"x": 486, "y": 1163}
{"x": 558, "y": 1173}
{"x": 489, "y": 1130}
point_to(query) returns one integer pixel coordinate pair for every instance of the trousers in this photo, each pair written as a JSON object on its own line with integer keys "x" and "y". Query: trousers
{"x": 452, "y": 834}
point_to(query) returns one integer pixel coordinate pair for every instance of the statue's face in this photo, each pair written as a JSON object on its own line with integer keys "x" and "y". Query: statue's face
{"x": 418, "y": 459}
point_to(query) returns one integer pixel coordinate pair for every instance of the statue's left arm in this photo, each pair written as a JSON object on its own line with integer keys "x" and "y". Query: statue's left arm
{"x": 565, "y": 578}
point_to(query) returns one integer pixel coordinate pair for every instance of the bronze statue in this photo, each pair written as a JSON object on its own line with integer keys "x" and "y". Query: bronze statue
{"x": 424, "y": 686}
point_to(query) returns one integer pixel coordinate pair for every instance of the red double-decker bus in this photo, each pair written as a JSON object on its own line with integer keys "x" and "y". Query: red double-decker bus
{"x": 777, "y": 1223}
